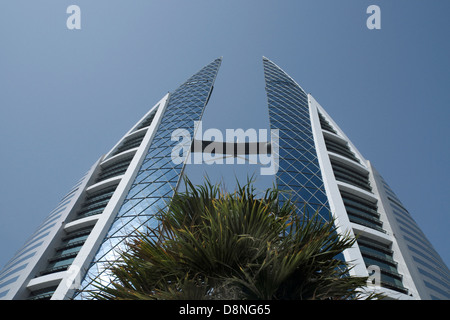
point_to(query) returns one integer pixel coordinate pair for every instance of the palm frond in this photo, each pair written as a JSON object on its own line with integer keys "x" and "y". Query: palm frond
{"x": 211, "y": 244}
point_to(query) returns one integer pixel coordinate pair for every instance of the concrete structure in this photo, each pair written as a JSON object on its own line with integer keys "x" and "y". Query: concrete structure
{"x": 317, "y": 164}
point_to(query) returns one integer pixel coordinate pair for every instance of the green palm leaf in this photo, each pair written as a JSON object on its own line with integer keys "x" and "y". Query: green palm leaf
{"x": 216, "y": 245}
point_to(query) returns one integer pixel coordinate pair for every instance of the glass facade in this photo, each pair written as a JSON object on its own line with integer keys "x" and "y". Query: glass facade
{"x": 340, "y": 147}
{"x": 158, "y": 175}
{"x": 388, "y": 237}
{"x": 12, "y": 273}
{"x": 116, "y": 169}
{"x": 67, "y": 251}
{"x": 130, "y": 143}
{"x": 351, "y": 176}
{"x": 299, "y": 175}
{"x": 361, "y": 210}
{"x": 96, "y": 203}
{"x": 430, "y": 273}
{"x": 325, "y": 124}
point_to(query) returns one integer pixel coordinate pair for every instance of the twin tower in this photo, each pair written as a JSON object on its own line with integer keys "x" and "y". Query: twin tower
{"x": 314, "y": 161}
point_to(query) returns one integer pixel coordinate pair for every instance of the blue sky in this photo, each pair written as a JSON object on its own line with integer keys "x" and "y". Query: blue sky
{"x": 67, "y": 96}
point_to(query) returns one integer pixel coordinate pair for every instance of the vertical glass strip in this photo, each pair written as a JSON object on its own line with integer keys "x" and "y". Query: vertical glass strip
{"x": 158, "y": 175}
{"x": 299, "y": 175}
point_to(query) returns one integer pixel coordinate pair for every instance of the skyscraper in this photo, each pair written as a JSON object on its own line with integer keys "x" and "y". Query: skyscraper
{"x": 316, "y": 164}
{"x": 321, "y": 167}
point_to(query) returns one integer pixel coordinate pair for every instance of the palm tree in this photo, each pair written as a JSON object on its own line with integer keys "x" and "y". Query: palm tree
{"x": 211, "y": 244}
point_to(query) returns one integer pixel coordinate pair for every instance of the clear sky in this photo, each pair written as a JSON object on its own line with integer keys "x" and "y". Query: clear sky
{"x": 67, "y": 96}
